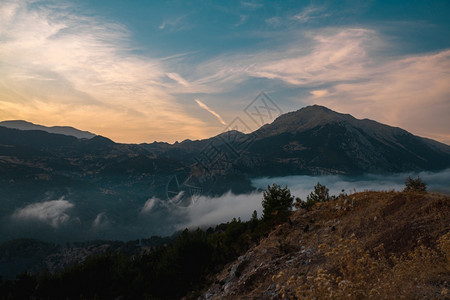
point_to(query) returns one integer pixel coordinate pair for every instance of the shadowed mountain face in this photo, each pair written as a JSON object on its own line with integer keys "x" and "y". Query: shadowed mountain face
{"x": 318, "y": 140}
{"x": 107, "y": 183}
{"x": 66, "y": 130}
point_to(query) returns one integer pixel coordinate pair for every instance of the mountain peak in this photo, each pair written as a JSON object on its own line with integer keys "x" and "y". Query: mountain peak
{"x": 305, "y": 118}
{"x": 66, "y": 130}
{"x": 320, "y": 140}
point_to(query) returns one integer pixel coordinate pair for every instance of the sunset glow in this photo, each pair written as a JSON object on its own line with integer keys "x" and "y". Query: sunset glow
{"x": 134, "y": 72}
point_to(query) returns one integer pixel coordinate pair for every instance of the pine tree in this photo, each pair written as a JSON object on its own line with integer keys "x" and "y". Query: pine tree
{"x": 277, "y": 203}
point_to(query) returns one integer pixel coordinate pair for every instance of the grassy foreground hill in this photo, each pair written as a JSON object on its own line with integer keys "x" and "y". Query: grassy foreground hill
{"x": 380, "y": 245}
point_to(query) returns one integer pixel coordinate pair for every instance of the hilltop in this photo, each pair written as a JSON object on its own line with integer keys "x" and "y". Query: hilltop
{"x": 369, "y": 244}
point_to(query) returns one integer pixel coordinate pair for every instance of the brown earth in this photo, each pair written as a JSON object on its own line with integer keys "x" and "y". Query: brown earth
{"x": 377, "y": 245}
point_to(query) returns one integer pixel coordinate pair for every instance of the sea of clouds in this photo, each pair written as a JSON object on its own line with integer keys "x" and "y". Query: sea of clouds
{"x": 65, "y": 219}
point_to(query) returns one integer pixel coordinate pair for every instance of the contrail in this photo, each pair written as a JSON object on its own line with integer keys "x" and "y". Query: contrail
{"x": 177, "y": 77}
{"x": 204, "y": 106}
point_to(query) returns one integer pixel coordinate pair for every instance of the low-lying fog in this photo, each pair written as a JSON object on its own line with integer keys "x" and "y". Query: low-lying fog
{"x": 64, "y": 219}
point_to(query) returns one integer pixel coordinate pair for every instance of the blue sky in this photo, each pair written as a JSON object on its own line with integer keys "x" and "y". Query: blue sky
{"x": 140, "y": 71}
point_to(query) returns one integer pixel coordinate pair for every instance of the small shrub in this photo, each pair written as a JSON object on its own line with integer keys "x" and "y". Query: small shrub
{"x": 415, "y": 185}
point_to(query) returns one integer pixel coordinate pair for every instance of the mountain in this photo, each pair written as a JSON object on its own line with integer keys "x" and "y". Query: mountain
{"x": 318, "y": 140}
{"x": 66, "y": 130}
{"x": 96, "y": 188}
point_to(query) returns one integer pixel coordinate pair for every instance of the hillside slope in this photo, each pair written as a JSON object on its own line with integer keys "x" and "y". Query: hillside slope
{"x": 370, "y": 244}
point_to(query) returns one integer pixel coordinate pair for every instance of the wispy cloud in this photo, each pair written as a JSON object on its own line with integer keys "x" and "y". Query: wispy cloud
{"x": 242, "y": 19}
{"x": 175, "y": 24}
{"x": 273, "y": 21}
{"x": 52, "y": 212}
{"x": 251, "y": 4}
{"x": 410, "y": 93}
{"x": 149, "y": 204}
{"x": 319, "y": 93}
{"x": 358, "y": 84}
{"x": 176, "y": 77}
{"x": 342, "y": 72}
{"x": 204, "y": 106}
{"x": 338, "y": 56}
{"x": 100, "y": 221}
{"x": 56, "y": 61}
{"x": 309, "y": 13}
{"x": 60, "y": 66}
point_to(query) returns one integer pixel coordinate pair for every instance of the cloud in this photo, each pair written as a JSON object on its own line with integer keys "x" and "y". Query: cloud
{"x": 176, "y": 77}
{"x": 319, "y": 93}
{"x": 273, "y": 21}
{"x": 206, "y": 211}
{"x": 149, "y": 204}
{"x": 52, "y": 212}
{"x": 314, "y": 58}
{"x": 310, "y": 13}
{"x": 242, "y": 20}
{"x": 100, "y": 221}
{"x": 337, "y": 56}
{"x": 175, "y": 24}
{"x": 251, "y": 5}
{"x": 204, "y": 106}
{"x": 409, "y": 92}
{"x": 60, "y": 67}
{"x": 103, "y": 219}
{"x": 301, "y": 186}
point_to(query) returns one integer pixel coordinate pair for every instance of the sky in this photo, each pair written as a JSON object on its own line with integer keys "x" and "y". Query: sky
{"x": 144, "y": 71}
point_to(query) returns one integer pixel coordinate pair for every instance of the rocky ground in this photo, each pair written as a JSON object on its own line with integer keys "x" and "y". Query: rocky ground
{"x": 364, "y": 245}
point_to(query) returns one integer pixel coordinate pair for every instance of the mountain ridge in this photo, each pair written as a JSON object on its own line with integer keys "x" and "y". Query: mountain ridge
{"x": 65, "y": 130}
{"x": 317, "y": 137}
{"x": 37, "y": 166}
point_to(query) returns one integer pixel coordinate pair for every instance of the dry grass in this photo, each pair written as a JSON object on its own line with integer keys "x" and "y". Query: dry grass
{"x": 351, "y": 272}
{"x": 391, "y": 246}
{"x": 381, "y": 245}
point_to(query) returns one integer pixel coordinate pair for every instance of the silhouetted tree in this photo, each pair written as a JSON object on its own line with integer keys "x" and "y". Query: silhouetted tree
{"x": 320, "y": 194}
{"x": 415, "y": 185}
{"x": 277, "y": 203}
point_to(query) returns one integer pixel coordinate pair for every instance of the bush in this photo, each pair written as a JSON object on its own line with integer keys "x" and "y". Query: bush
{"x": 277, "y": 203}
{"x": 415, "y": 185}
{"x": 320, "y": 194}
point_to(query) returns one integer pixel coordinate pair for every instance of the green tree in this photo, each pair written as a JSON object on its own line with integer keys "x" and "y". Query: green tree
{"x": 415, "y": 185}
{"x": 277, "y": 203}
{"x": 320, "y": 194}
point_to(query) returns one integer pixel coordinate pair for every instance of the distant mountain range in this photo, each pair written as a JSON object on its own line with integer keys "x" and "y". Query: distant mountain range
{"x": 316, "y": 140}
{"x": 313, "y": 140}
{"x": 66, "y": 130}
{"x": 107, "y": 179}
